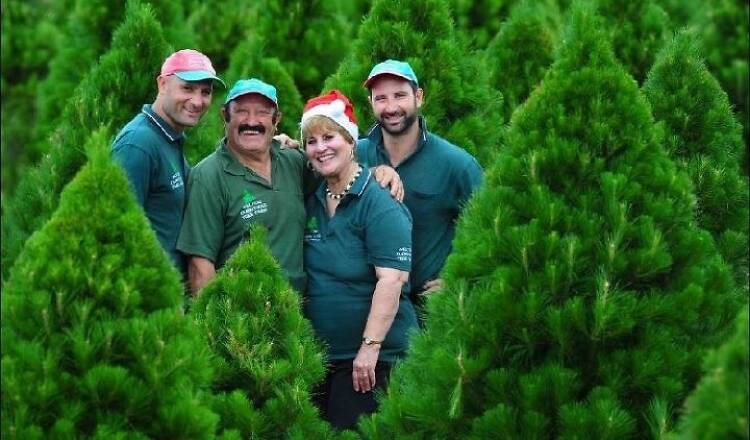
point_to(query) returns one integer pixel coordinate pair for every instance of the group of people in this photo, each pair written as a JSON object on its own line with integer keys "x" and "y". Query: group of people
{"x": 360, "y": 227}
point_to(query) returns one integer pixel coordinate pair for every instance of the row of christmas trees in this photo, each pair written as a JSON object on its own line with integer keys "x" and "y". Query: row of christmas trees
{"x": 586, "y": 285}
{"x": 48, "y": 46}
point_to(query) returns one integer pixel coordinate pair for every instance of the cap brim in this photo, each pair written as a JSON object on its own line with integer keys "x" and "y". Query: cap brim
{"x": 387, "y": 72}
{"x": 199, "y": 75}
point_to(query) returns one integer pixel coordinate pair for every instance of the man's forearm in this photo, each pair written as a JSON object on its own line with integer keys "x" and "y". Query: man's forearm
{"x": 200, "y": 271}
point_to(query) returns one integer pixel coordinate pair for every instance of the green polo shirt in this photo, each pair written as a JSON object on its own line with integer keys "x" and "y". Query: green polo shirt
{"x": 225, "y": 197}
{"x": 369, "y": 229}
{"x": 150, "y": 151}
{"x": 438, "y": 178}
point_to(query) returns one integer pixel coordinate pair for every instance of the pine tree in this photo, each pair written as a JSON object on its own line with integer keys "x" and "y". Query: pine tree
{"x": 110, "y": 94}
{"x": 268, "y": 359}
{"x": 94, "y": 340}
{"x": 86, "y": 36}
{"x": 460, "y": 104}
{"x": 638, "y": 30}
{"x": 580, "y": 292}
{"x": 718, "y": 408}
{"x": 723, "y": 27}
{"x": 522, "y": 51}
{"x": 703, "y": 135}
{"x": 248, "y": 60}
{"x": 480, "y": 20}
{"x": 29, "y": 36}
{"x": 309, "y": 37}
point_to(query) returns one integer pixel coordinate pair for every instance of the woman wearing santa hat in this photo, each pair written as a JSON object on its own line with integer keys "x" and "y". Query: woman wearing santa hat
{"x": 357, "y": 255}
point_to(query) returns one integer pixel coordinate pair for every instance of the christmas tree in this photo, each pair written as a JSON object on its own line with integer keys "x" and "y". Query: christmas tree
{"x": 702, "y": 133}
{"x": 94, "y": 340}
{"x": 638, "y": 30}
{"x": 718, "y": 406}
{"x": 723, "y": 27}
{"x": 309, "y": 37}
{"x": 459, "y": 105}
{"x": 522, "y": 51}
{"x": 580, "y": 295}
{"x": 30, "y": 31}
{"x": 110, "y": 94}
{"x": 268, "y": 360}
{"x": 480, "y": 20}
{"x": 86, "y": 36}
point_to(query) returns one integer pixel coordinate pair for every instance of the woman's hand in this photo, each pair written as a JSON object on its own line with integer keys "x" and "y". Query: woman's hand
{"x": 363, "y": 371}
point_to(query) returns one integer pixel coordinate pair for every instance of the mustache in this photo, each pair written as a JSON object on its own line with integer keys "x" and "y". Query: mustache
{"x": 257, "y": 127}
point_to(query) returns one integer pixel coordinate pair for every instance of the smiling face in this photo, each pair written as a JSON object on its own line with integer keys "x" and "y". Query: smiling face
{"x": 182, "y": 103}
{"x": 328, "y": 147}
{"x": 395, "y": 103}
{"x": 250, "y": 123}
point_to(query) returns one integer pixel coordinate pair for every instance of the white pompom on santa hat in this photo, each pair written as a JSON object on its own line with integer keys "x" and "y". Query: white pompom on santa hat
{"x": 334, "y": 106}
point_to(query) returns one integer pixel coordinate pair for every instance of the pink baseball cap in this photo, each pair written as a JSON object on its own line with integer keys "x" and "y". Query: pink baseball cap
{"x": 190, "y": 65}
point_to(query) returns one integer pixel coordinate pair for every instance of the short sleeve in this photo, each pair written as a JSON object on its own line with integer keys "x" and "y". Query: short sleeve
{"x": 203, "y": 224}
{"x": 388, "y": 238}
{"x": 138, "y": 165}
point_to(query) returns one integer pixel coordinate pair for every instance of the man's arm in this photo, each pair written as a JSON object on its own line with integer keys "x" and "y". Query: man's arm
{"x": 200, "y": 271}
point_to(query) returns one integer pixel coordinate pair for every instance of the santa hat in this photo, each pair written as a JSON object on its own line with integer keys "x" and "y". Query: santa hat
{"x": 334, "y": 106}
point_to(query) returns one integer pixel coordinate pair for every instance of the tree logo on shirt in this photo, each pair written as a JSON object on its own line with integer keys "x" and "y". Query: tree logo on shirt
{"x": 248, "y": 197}
{"x": 252, "y": 206}
{"x": 312, "y": 233}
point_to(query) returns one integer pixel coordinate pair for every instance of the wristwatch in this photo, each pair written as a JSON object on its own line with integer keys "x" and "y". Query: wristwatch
{"x": 369, "y": 341}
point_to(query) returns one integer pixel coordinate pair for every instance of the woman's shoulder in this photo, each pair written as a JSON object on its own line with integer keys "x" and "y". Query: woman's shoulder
{"x": 378, "y": 201}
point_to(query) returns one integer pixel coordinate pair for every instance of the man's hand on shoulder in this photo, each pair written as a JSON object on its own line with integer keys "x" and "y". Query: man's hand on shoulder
{"x": 387, "y": 176}
{"x": 286, "y": 141}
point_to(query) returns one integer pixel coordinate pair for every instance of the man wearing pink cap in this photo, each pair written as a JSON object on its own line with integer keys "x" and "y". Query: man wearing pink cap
{"x": 150, "y": 146}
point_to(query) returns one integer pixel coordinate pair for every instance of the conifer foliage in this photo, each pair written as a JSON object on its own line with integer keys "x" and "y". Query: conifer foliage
{"x": 268, "y": 360}
{"x": 638, "y": 29}
{"x": 718, "y": 406}
{"x": 112, "y": 92}
{"x": 703, "y": 135}
{"x": 460, "y": 104}
{"x": 94, "y": 340}
{"x": 522, "y": 51}
{"x": 580, "y": 294}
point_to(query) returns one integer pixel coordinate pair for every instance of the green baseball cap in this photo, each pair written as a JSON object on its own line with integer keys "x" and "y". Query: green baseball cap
{"x": 392, "y": 67}
{"x": 252, "y": 85}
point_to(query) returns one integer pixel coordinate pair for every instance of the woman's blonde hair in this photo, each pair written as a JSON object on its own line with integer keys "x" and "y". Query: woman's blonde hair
{"x": 319, "y": 123}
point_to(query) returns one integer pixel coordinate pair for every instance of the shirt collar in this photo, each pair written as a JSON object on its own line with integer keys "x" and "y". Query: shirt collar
{"x": 170, "y": 133}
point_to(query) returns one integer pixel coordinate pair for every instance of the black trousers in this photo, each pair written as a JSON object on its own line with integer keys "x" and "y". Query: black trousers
{"x": 339, "y": 404}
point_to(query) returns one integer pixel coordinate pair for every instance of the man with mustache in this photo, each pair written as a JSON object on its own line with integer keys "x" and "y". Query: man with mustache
{"x": 149, "y": 147}
{"x": 248, "y": 179}
{"x": 438, "y": 176}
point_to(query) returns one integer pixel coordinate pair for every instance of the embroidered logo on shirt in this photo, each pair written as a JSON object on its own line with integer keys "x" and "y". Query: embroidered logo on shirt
{"x": 312, "y": 233}
{"x": 176, "y": 180}
{"x": 251, "y": 206}
{"x": 403, "y": 254}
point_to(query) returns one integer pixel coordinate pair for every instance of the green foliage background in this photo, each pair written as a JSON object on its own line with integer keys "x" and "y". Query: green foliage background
{"x": 643, "y": 115}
